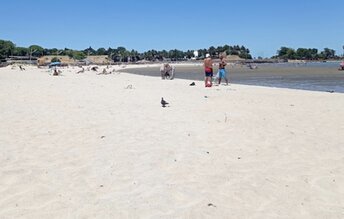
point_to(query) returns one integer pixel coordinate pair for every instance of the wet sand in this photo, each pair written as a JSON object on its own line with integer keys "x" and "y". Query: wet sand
{"x": 313, "y": 76}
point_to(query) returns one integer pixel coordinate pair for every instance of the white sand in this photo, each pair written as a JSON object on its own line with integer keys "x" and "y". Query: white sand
{"x": 84, "y": 146}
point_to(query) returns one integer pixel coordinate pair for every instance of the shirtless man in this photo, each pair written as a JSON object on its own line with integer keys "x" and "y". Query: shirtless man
{"x": 222, "y": 70}
{"x": 208, "y": 69}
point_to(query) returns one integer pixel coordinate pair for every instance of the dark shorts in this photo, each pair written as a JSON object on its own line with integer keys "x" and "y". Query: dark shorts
{"x": 208, "y": 72}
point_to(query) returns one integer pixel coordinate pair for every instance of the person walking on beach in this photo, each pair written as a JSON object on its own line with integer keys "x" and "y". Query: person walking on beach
{"x": 208, "y": 69}
{"x": 222, "y": 70}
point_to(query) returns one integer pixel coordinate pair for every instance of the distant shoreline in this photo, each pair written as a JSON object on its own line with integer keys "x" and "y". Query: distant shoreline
{"x": 316, "y": 76}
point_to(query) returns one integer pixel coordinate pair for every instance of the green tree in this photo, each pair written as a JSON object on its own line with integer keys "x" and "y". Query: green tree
{"x": 21, "y": 51}
{"x": 176, "y": 54}
{"x": 202, "y": 53}
{"x": 6, "y": 48}
{"x": 151, "y": 55}
{"x": 314, "y": 54}
{"x": 219, "y": 50}
{"x": 78, "y": 55}
{"x": 55, "y": 59}
{"x": 303, "y": 53}
{"x": 226, "y": 49}
{"x": 68, "y": 52}
{"x": 189, "y": 54}
{"x": 234, "y": 50}
{"x": 328, "y": 53}
{"x": 75, "y": 54}
{"x": 134, "y": 55}
{"x": 121, "y": 53}
{"x": 35, "y": 51}
{"x": 89, "y": 51}
{"x": 291, "y": 54}
{"x": 282, "y": 52}
{"x": 286, "y": 53}
{"x": 244, "y": 53}
{"x": 163, "y": 54}
{"x": 101, "y": 51}
{"x": 212, "y": 51}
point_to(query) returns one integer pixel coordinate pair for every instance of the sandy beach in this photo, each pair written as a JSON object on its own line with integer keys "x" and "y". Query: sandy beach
{"x": 101, "y": 146}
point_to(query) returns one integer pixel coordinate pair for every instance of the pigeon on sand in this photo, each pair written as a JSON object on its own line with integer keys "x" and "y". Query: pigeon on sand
{"x": 163, "y": 102}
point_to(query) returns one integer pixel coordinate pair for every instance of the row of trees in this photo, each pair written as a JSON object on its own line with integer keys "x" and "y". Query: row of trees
{"x": 305, "y": 53}
{"x": 121, "y": 53}
{"x": 8, "y": 48}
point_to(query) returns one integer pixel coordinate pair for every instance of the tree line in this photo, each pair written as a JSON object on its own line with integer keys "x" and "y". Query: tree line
{"x": 306, "y": 54}
{"x": 120, "y": 54}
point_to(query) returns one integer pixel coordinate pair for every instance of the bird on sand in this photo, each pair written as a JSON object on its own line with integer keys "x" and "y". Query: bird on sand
{"x": 163, "y": 102}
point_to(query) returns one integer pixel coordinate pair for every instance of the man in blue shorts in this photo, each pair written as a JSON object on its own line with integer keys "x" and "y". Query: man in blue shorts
{"x": 222, "y": 70}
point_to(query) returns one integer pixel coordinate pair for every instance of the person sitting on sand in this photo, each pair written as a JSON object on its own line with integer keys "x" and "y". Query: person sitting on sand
{"x": 81, "y": 71}
{"x": 56, "y": 73}
{"x": 104, "y": 72}
{"x": 341, "y": 67}
{"x": 167, "y": 71}
{"x": 252, "y": 66}
{"x": 208, "y": 69}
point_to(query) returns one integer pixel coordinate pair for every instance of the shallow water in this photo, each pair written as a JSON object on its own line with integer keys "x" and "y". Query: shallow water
{"x": 310, "y": 76}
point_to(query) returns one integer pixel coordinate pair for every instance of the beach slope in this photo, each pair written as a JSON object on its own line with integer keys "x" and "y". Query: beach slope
{"x": 102, "y": 146}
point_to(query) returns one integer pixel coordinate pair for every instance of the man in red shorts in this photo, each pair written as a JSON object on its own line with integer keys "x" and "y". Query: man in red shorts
{"x": 208, "y": 69}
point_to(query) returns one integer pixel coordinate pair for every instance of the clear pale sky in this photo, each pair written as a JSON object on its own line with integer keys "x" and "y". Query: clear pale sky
{"x": 263, "y": 26}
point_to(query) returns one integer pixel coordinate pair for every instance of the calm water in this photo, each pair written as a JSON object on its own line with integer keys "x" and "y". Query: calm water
{"x": 310, "y": 76}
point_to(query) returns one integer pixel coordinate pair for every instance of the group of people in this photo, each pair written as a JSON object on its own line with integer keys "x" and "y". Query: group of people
{"x": 167, "y": 71}
{"x": 209, "y": 74}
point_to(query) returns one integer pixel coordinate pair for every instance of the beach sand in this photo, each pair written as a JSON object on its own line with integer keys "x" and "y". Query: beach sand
{"x": 101, "y": 146}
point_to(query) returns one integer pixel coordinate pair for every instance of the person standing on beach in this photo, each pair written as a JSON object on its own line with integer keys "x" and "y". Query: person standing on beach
{"x": 222, "y": 70}
{"x": 208, "y": 69}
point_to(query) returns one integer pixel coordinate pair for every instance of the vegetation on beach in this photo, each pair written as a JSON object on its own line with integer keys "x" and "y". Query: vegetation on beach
{"x": 121, "y": 54}
{"x": 8, "y": 48}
